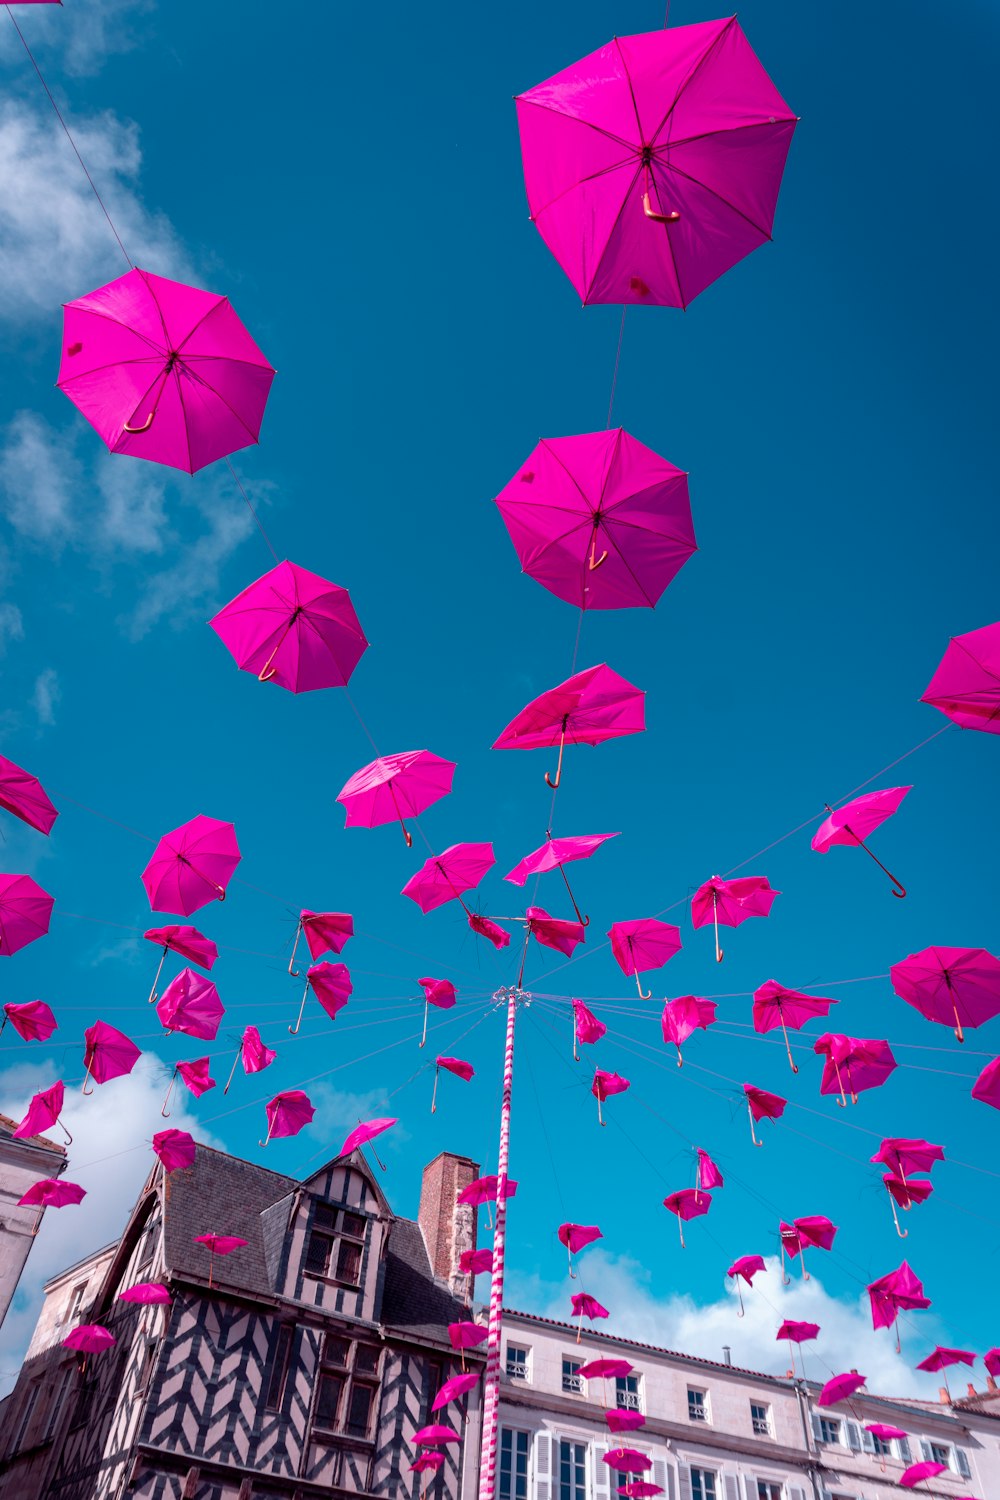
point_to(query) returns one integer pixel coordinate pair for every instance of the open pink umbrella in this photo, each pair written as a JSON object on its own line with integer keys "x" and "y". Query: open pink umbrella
{"x": 586, "y": 1306}
{"x": 444, "y": 877}
{"x": 475, "y": 1262}
{"x": 643, "y": 944}
{"x": 966, "y": 685}
{"x": 195, "y": 1077}
{"x": 287, "y": 1114}
{"x": 587, "y": 1029}
{"x": 589, "y": 708}
{"x": 33, "y": 1020}
{"x": 437, "y": 992}
{"x": 454, "y": 1388}
{"x": 858, "y": 1062}
{"x": 331, "y": 984}
{"x": 684, "y": 1016}
{"x": 89, "y": 1338}
{"x": 840, "y": 1388}
{"x": 191, "y": 1004}
{"x": 147, "y": 1294}
{"x": 466, "y": 1335}
{"x": 463, "y": 1070}
{"x": 638, "y": 1489}
{"x": 553, "y": 855}
{"x": 885, "y": 1431}
{"x": 395, "y": 787}
{"x": 762, "y": 1106}
{"x": 624, "y": 1421}
{"x": 25, "y": 913}
{"x": 627, "y": 1460}
{"x": 554, "y": 932}
{"x": 898, "y": 1291}
{"x": 852, "y": 823}
{"x": 604, "y": 1085}
{"x": 42, "y": 1113}
{"x": 429, "y": 1462}
{"x": 109, "y": 1054}
{"x": 991, "y": 1359}
{"x": 163, "y": 371}
{"x": 191, "y": 866}
{"x": 746, "y": 1267}
{"x": 293, "y": 628}
{"x": 905, "y": 1192}
{"x": 956, "y": 987}
{"x": 814, "y": 1230}
{"x": 218, "y": 1244}
{"x": 187, "y": 941}
{"x": 906, "y": 1154}
{"x": 324, "y": 932}
{"x": 175, "y": 1148}
{"x": 688, "y": 1203}
{"x": 253, "y": 1054}
{"x": 605, "y": 1369}
{"x": 434, "y": 1435}
{"x": 363, "y": 1133}
{"x": 23, "y": 795}
{"x": 941, "y": 1357}
{"x": 576, "y": 1237}
{"x": 796, "y": 1333}
{"x": 600, "y": 520}
{"x": 487, "y": 929}
{"x": 731, "y": 902}
{"x": 708, "y": 1174}
{"x": 482, "y": 1191}
{"x": 773, "y": 1005}
{"x": 987, "y": 1086}
{"x": 926, "y": 1469}
{"x": 52, "y": 1192}
{"x": 653, "y": 165}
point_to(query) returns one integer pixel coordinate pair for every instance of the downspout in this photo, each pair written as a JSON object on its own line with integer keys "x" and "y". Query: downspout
{"x": 807, "y": 1434}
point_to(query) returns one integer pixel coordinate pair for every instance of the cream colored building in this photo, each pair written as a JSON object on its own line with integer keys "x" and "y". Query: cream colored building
{"x": 22, "y": 1163}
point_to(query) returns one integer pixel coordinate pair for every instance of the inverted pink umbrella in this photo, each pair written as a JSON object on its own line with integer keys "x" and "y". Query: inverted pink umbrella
{"x": 687, "y": 1203}
{"x": 576, "y": 1237}
{"x": 331, "y": 984}
{"x": 195, "y": 1077}
{"x": 42, "y": 1113}
{"x": 25, "y": 913}
{"x": 455, "y": 1065}
{"x": 554, "y": 932}
{"x": 905, "y": 1192}
{"x": 293, "y": 628}
{"x": 324, "y": 932}
{"x": 991, "y": 1359}
{"x": 707, "y": 1173}
{"x": 589, "y": 708}
{"x": 191, "y": 866}
{"x": 653, "y": 165}
{"x": 966, "y": 685}
{"x": 287, "y": 1114}
{"x": 554, "y": 854}
{"x": 363, "y": 1133}
{"x": 586, "y": 1306}
{"x": 453, "y": 1389}
{"x": 163, "y": 371}
{"x": 218, "y": 1244}
{"x": 796, "y": 1333}
{"x": 446, "y": 876}
{"x": 864, "y": 1062}
{"x": 745, "y": 1267}
{"x": 175, "y": 1148}
{"x": 840, "y": 1388}
{"x": 253, "y": 1054}
{"x": 684, "y": 1016}
{"x": 147, "y": 1294}
{"x": 437, "y": 992}
{"x": 89, "y": 1338}
{"x": 466, "y": 1335}
{"x": 773, "y": 1005}
{"x": 484, "y": 927}
{"x": 604, "y": 1085}
{"x": 954, "y": 986}
{"x": 898, "y": 1291}
{"x": 852, "y": 823}
{"x": 23, "y": 795}
{"x": 429, "y": 1462}
{"x": 52, "y": 1192}
{"x": 33, "y": 1020}
{"x": 762, "y": 1106}
{"x": 814, "y": 1230}
{"x": 395, "y": 787}
{"x": 475, "y": 1262}
{"x": 482, "y": 1191}
{"x": 731, "y": 902}
{"x": 987, "y": 1086}
{"x": 624, "y": 1421}
{"x": 187, "y": 941}
{"x": 904, "y": 1155}
{"x": 191, "y": 1004}
{"x": 587, "y": 1029}
{"x": 627, "y": 1460}
{"x": 109, "y": 1054}
{"x": 926, "y": 1469}
{"x": 643, "y": 944}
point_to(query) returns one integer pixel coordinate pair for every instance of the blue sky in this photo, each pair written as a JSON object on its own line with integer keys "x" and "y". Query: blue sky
{"x": 357, "y": 191}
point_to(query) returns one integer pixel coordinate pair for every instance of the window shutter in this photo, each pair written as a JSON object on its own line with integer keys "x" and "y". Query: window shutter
{"x": 684, "y": 1481}
{"x": 853, "y": 1436}
{"x": 867, "y": 1440}
{"x": 925, "y": 1450}
{"x": 542, "y": 1459}
{"x": 817, "y": 1430}
{"x": 905, "y": 1455}
{"x": 602, "y": 1473}
{"x": 731, "y": 1485}
{"x": 795, "y": 1492}
{"x": 962, "y": 1459}
{"x": 661, "y": 1475}
{"x": 749, "y": 1487}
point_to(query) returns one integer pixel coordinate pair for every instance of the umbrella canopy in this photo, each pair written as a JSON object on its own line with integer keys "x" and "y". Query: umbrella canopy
{"x": 394, "y": 787}
{"x": 487, "y": 929}
{"x": 606, "y": 1084}
{"x": 638, "y": 1489}
{"x": 196, "y": 1076}
{"x": 627, "y": 1460}
{"x": 797, "y": 1333}
{"x": 941, "y": 1357}
{"x": 599, "y": 520}
{"x": 906, "y": 1154}
{"x": 605, "y": 1369}
{"x": 23, "y": 795}
{"x": 287, "y": 1113}
{"x": 89, "y": 1338}
{"x": 746, "y": 1266}
{"x": 854, "y": 821}
{"x": 463, "y": 1070}
{"x": 42, "y": 1113}
{"x": 624, "y": 1421}
{"x": 191, "y": 866}
{"x": 365, "y": 1131}
{"x": 709, "y": 1175}
{"x": 653, "y": 165}
{"x": 147, "y": 1293}
{"x": 484, "y": 1190}
{"x": 956, "y": 987}
{"x": 191, "y": 1004}
{"x": 465, "y": 1335}
{"x": 576, "y": 1236}
{"x": 643, "y": 944}
{"x": 885, "y": 1431}
{"x": 475, "y": 1262}
{"x": 33, "y": 1020}
{"x": 762, "y": 1106}
{"x": 444, "y": 877}
{"x": 966, "y": 685}
{"x": 220, "y": 1244}
{"x": 253, "y": 1052}
{"x": 452, "y": 1389}
{"x": 774, "y": 1005}
{"x": 555, "y": 853}
{"x": 898, "y": 1291}
{"x": 987, "y": 1086}
{"x": 293, "y": 628}
{"x": 587, "y": 1029}
{"x": 554, "y": 932}
{"x": 684, "y": 1016}
{"x": 187, "y": 941}
{"x": 52, "y": 1192}
{"x": 991, "y": 1359}
{"x": 109, "y": 1053}
{"x": 439, "y": 992}
{"x": 175, "y": 1148}
{"x": 814, "y": 1230}
{"x": 589, "y": 708}
{"x": 331, "y": 984}
{"x": 840, "y": 1388}
{"x": 428, "y": 1462}
{"x": 163, "y": 371}
{"x": 727, "y": 903}
{"x": 853, "y": 1064}
{"x": 917, "y": 1472}
{"x": 326, "y": 931}
{"x": 908, "y": 1190}
{"x": 687, "y": 1203}
{"x": 586, "y": 1306}
{"x": 25, "y": 912}
{"x": 437, "y": 1432}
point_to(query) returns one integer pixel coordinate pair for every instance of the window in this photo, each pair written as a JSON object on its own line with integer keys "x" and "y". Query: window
{"x": 76, "y": 1302}
{"x": 572, "y": 1471}
{"x": 517, "y": 1362}
{"x": 829, "y": 1430}
{"x": 55, "y": 1410}
{"x": 146, "y": 1368}
{"x": 513, "y": 1473}
{"x": 279, "y": 1368}
{"x": 768, "y": 1489}
{"x": 940, "y": 1454}
{"x": 347, "y": 1390}
{"x": 148, "y": 1243}
{"x": 697, "y": 1405}
{"x": 881, "y": 1447}
{"x": 572, "y": 1381}
{"x": 703, "y": 1484}
{"x": 760, "y": 1419}
{"x": 336, "y": 1245}
{"x": 627, "y": 1392}
{"x": 26, "y": 1414}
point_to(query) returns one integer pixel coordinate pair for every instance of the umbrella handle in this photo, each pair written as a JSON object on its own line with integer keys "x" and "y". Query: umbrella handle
{"x": 739, "y": 1293}
{"x": 548, "y": 778}
{"x": 842, "y": 1101}
{"x": 642, "y": 993}
{"x": 583, "y": 921}
{"x": 294, "y": 1030}
{"x": 164, "y": 1111}
{"x": 435, "y": 1092}
{"x": 3, "y": 1023}
{"x": 788, "y": 1048}
{"x": 753, "y": 1135}
{"x": 657, "y": 218}
{"x": 423, "y": 1039}
{"x": 680, "y": 1059}
{"x": 270, "y": 1126}
{"x": 127, "y": 427}
{"x": 87, "y": 1074}
{"x": 899, "y": 890}
{"x": 232, "y": 1070}
{"x": 719, "y": 955}
{"x": 293, "y": 971}
{"x": 569, "y": 1257}
{"x": 594, "y": 563}
{"x": 62, "y": 1127}
{"x": 903, "y": 1233}
{"x": 159, "y": 970}
{"x": 802, "y": 1258}
{"x": 786, "y": 1280}
{"x": 680, "y": 1230}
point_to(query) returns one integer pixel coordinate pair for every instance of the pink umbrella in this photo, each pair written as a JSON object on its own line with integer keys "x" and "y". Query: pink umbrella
{"x": 484, "y": 1191}
{"x": 554, "y": 932}
{"x": 746, "y": 1267}
{"x": 731, "y": 902}
{"x": 287, "y": 1114}
{"x": 852, "y": 823}
{"x": 688, "y": 1203}
{"x": 194, "y": 1075}
{"x": 147, "y": 1293}
{"x": 638, "y": 1489}
{"x": 966, "y": 685}
{"x": 605, "y": 1369}
{"x": 444, "y": 877}
{"x": 395, "y": 787}
{"x": 439, "y": 993}
{"x": 42, "y": 1113}
{"x": 814, "y": 1230}
{"x": 191, "y": 1004}
{"x": 487, "y": 929}
{"x": 452, "y": 1389}
{"x": 587, "y": 1029}
{"x": 773, "y": 1006}
{"x": 840, "y": 1388}
{"x": 898, "y": 1291}
{"x": 653, "y": 165}
{"x": 796, "y": 1333}
{"x": 588, "y": 708}
{"x": 941, "y": 1357}
{"x": 254, "y": 1055}
{"x": 709, "y": 1175}
{"x": 576, "y": 1237}
{"x": 553, "y": 855}
{"x": 293, "y": 628}
{"x": 586, "y": 1306}
{"x": 52, "y": 1192}
{"x": 884, "y": 1430}
{"x": 987, "y": 1086}
{"x": 23, "y": 795}
{"x": 475, "y": 1262}
{"x": 643, "y": 944}
{"x": 627, "y": 1460}
{"x": 683, "y": 1017}
{"x": 163, "y": 371}
{"x": 954, "y": 986}
{"x": 175, "y": 1149}
{"x": 866, "y": 1063}
{"x": 364, "y": 1132}
{"x": 906, "y": 1154}
{"x": 624, "y": 1421}
{"x": 187, "y": 941}
{"x": 905, "y": 1192}
{"x": 429, "y": 1462}
{"x": 762, "y": 1106}
{"x": 332, "y": 986}
{"x": 604, "y": 1085}
{"x": 218, "y": 1244}
{"x": 991, "y": 1359}
{"x": 89, "y": 1338}
{"x": 33, "y": 1020}
{"x": 324, "y": 931}
{"x": 465, "y": 1335}
{"x": 25, "y": 912}
{"x": 916, "y": 1472}
{"x": 109, "y": 1053}
{"x": 437, "y": 1432}
{"x": 191, "y": 866}
{"x": 463, "y": 1070}
{"x": 599, "y": 520}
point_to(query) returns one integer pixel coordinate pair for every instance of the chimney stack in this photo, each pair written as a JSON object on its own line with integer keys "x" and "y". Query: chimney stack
{"x": 991, "y": 1384}
{"x": 971, "y": 1388}
{"x": 448, "y": 1228}
{"x": 944, "y": 1396}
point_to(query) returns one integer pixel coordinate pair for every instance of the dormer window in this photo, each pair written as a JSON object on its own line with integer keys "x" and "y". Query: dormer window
{"x": 336, "y": 1244}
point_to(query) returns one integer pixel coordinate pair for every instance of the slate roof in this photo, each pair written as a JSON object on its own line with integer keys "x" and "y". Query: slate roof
{"x": 413, "y": 1302}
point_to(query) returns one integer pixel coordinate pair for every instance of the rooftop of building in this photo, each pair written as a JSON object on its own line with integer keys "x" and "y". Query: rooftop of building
{"x": 8, "y": 1126}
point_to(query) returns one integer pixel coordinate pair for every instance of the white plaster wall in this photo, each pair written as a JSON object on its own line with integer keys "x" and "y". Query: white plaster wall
{"x": 21, "y": 1165}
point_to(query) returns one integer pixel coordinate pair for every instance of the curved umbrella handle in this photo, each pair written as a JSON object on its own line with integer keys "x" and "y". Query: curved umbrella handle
{"x": 164, "y": 1111}
{"x": 294, "y": 1030}
{"x": 127, "y": 427}
{"x": 652, "y": 214}
{"x": 594, "y": 563}
{"x": 87, "y": 1075}
{"x": 643, "y": 995}
{"x": 903, "y": 1233}
{"x": 548, "y": 778}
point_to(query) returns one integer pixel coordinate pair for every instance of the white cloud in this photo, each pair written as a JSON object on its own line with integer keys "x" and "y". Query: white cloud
{"x": 133, "y": 512}
{"x": 46, "y": 696}
{"x": 39, "y": 476}
{"x": 83, "y": 35}
{"x": 191, "y": 587}
{"x": 11, "y": 625}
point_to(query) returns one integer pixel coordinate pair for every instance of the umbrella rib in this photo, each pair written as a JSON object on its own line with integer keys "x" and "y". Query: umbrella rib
{"x": 184, "y": 414}
{"x": 203, "y": 319}
{"x": 159, "y": 309}
{"x": 668, "y": 166}
{"x": 590, "y": 177}
{"x": 694, "y": 73}
{"x": 631, "y": 90}
{"x": 193, "y": 374}
{"x": 575, "y": 482}
{"x": 93, "y": 312}
{"x": 707, "y": 135}
{"x": 577, "y": 120}
{"x": 113, "y": 365}
{"x": 611, "y": 235}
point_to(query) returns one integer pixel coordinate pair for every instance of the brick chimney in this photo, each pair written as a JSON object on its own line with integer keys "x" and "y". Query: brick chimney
{"x": 448, "y": 1229}
{"x": 944, "y": 1395}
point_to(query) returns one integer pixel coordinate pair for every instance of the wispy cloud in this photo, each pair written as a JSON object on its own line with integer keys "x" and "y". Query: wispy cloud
{"x": 82, "y": 35}
{"x": 11, "y": 625}
{"x": 46, "y": 696}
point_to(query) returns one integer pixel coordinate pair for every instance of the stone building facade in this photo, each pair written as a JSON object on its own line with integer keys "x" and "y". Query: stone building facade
{"x": 22, "y": 1164}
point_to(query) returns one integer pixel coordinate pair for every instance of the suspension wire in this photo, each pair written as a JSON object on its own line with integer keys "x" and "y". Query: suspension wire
{"x": 618, "y": 355}
{"x": 250, "y": 507}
